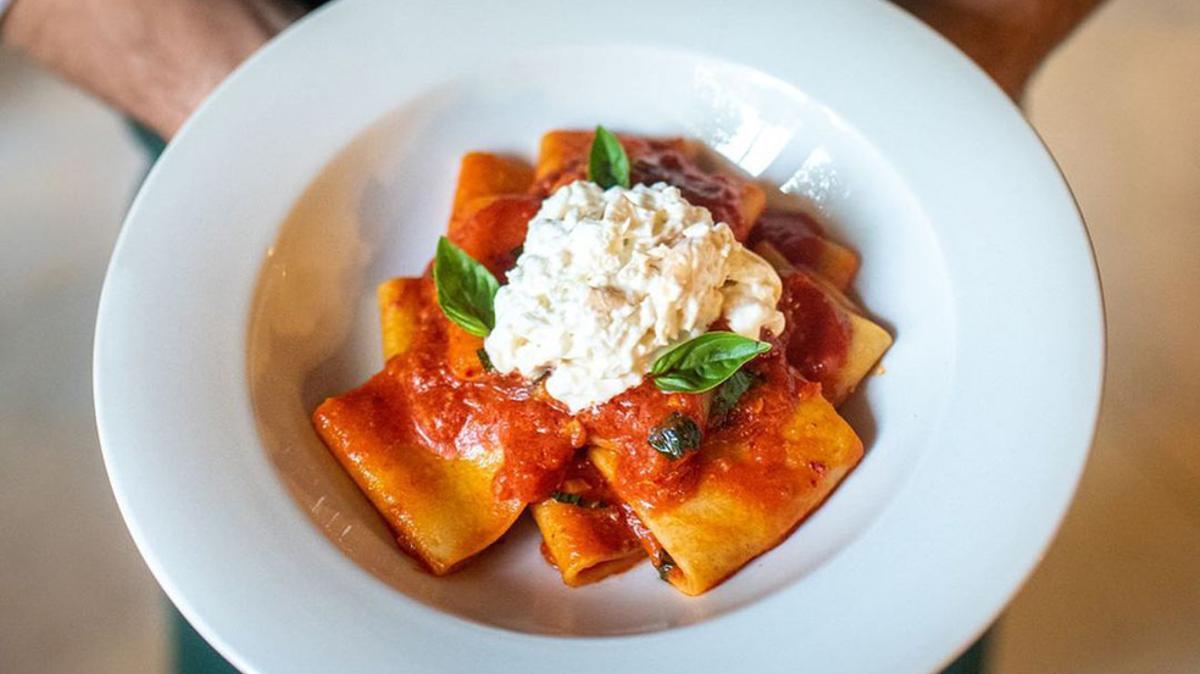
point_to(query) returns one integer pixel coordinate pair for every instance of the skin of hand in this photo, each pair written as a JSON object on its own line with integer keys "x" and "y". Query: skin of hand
{"x": 156, "y": 60}
{"x": 1007, "y": 38}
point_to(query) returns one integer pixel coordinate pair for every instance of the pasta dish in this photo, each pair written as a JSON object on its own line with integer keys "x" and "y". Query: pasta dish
{"x": 624, "y": 342}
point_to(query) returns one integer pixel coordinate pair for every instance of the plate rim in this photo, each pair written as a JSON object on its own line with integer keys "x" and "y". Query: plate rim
{"x": 259, "y": 67}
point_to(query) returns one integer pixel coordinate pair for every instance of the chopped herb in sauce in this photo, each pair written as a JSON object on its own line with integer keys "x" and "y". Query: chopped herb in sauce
{"x": 485, "y": 360}
{"x": 729, "y": 393}
{"x": 564, "y": 497}
{"x": 677, "y": 435}
{"x": 576, "y": 500}
{"x": 665, "y": 565}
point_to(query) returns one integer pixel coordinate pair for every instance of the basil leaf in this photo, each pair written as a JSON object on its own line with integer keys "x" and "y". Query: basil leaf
{"x": 729, "y": 393}
{"x": 576, "y": 500}
{"x": 665, "y": 565}
{"x": 465, "y": 289}
{"x": 675, "y": 436}
{"x": 704, "y": 362}
{"x": 608, "y": 165}
{"x": 485, "y": 360}
{"x": 564, "y": 497}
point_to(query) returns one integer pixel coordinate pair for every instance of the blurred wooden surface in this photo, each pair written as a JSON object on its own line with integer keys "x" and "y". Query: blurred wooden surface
{"x": 1118, "y": 592}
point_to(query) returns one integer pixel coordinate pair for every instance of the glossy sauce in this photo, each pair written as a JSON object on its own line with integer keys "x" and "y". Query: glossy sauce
{"x": 817, "y": 333}
{"x": 613, "y": 525}
{"x": 796, "y": 235}
{"x": 609, "y": 519}
{"x": 654, "y": 550}
{"x": 625, "y": 423}
{"x": 423, "y": 402}
{"x": 492, "y": 229}
{"x": 755, "y": 437}
{"x": 452, "y": 414}
{"x": 428, "y": 406}
{"x": 437, "y": 396}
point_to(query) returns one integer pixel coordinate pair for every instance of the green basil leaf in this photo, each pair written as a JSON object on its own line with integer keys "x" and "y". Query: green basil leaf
{"x": 465, "y": 289}
{"x": 704, "y": 362}
{"x": 565, "y": 497}
{"x": 677, "y": 435}
{"x": 729, "y": 393}
{"x": 608, "y": 165}
{"x": 576, "y": 500}
{"x": 485, "y": 360}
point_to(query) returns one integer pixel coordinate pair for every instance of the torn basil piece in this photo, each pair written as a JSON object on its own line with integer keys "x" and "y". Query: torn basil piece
{"x": 677, "y": 435}
{"x": 727, "y": 395}
{"x": 576, "y": 500}
{"x": 564, "y": 497}
{"x": 485, "y": 360}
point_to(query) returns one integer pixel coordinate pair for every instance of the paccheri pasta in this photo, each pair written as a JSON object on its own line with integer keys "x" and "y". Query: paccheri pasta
{"x": 700, "y": 462}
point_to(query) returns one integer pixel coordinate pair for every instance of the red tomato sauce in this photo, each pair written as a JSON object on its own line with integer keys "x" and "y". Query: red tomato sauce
{"x": 753, "y": 436}
{"x": 817, "y": 334}
{"x": 424, "y": 403}
{"x": 492, "y": 231}
{"x": 609, "y": 524}
{"x": 654, "y": 550}
{"x": 453, "y": 417}
{"x": 625, "y": 423}
{"x": 797, "y": 236}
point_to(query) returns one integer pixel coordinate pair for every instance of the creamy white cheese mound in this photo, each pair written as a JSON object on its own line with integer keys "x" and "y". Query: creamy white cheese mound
{"x": 608, "y": 278}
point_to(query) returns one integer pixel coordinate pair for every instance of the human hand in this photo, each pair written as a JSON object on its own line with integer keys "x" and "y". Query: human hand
{"x": 1007, "y": 38}
{"x": 155, "y": 60}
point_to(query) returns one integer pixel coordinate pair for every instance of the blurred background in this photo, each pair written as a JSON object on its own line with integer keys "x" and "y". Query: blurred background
{"x": 1119, "y": 590}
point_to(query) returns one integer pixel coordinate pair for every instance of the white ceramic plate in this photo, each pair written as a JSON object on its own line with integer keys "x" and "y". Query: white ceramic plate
{"x": 240, "y": 294}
